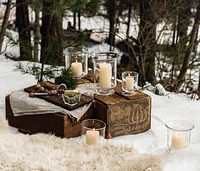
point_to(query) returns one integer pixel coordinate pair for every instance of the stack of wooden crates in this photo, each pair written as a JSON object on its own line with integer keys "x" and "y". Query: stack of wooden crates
{"x": 123, "y": 115}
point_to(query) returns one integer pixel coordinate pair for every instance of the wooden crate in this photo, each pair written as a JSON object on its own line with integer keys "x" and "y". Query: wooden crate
{"x": 59, "y": 124}
{"x": 124, "y": 115}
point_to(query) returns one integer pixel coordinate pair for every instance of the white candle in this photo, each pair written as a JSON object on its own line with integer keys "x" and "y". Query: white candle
{"x": 178, "y": 140}
{"x": 77, "y": 68}
{"x": 129, "y": 82}
{"x": 92, "y": 137}
{"x": 105, "y": 75}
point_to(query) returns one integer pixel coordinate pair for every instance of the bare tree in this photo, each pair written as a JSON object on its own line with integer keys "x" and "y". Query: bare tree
{"x": 188, "y": 52}
{"x": 145, "y": 48}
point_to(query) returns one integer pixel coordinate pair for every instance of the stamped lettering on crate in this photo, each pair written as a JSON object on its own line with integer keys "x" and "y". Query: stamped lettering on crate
{"x": 129, "y": 118}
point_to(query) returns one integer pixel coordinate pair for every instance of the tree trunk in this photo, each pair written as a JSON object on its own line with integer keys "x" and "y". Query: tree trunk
{"x": 36, "y": 34}
{"x": 22, "y": 23}
{"x": 74, "y": 19}
{"x": 198, "y": 90}
{"x": 52, "y": 35}
{"x": 5, "y": 23}
{"x": 189, "y": 49}
{"x": 79, "y": 21}
{"x": 113, "y": 15}
{"x": 183, "y": 24}
{"x": 129, "y": 20}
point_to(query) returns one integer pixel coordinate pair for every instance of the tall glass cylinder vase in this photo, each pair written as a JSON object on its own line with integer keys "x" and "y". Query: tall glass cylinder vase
{"x": 77, "y": 60}
{"x": 105, "y": 72}
{"x": 68, "y": 55}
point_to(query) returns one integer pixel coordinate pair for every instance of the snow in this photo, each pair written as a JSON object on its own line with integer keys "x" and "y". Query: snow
{"x": 154, "y": 141}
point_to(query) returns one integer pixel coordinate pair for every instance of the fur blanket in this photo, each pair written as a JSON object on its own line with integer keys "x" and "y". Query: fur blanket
{"x": 43, "y": 152}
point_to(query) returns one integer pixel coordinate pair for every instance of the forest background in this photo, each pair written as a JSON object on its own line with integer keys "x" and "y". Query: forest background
{"x": 165, "y": 48}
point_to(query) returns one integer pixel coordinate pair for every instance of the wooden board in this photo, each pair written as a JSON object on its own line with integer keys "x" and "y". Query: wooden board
{"x": 58, "y": 99}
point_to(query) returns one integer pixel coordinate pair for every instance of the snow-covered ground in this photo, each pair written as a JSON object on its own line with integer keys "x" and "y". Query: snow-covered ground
{"x": 164, "y": 108}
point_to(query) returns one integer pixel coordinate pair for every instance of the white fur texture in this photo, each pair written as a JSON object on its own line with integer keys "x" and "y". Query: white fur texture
{"x": 42, "y": 152}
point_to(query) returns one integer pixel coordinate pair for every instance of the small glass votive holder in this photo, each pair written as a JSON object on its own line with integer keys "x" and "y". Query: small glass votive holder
{"x": 92, "y": 132}
{"x": 178, "y": 134}
{"x": 79, "y": 64}
{"x": 129, "y": 83}
{"x": 105, "y": 72}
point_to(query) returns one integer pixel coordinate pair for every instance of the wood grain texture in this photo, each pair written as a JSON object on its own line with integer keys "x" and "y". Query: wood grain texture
{"x": 126, "y": 115}
{"x": 59, "y": 124}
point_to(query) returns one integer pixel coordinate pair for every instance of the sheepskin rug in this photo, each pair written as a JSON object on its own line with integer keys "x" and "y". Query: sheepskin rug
{"x": 42, "y": 152}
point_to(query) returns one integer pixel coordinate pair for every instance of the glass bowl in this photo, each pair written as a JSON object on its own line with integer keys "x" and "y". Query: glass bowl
{"x": 71, "y": 97}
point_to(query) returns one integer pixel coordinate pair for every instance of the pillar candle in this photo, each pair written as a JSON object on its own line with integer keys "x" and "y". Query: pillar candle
{"x": 77, "y": 68}
{"x": 105, "y": 75}
{"x": 92, "y": 137}
{"x": 178, "y": 140}
{"x": 129, "y": 82}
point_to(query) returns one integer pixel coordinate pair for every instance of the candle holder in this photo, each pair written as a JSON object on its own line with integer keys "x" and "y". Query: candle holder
{"x": 93, "y": 131}
{"x": 79, "y": 63}
{"x": 68, "y": 55}
{"x": 105, "y": 72}
{"x": 129, "y": 83}
{"x": 178, "y": 134}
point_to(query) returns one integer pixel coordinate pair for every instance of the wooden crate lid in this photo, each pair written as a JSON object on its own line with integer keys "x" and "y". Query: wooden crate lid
{"x": 138, "y": 95}
{"x": 111, "y": 99}
{"x": 118, "y": 97}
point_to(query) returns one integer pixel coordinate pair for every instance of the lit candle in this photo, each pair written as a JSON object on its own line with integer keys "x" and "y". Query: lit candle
{"x": 77, "y": 68}
{"x": 92, "y": 137}
{"x": 178, "y": 140}
{"x": 129, "y": 82}
{"x": 105, "y": 75}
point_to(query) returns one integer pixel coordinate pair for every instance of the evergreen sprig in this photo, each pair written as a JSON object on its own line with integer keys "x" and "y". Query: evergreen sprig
{"x": 34, "y": 69}
{"x": 68, "y": 78}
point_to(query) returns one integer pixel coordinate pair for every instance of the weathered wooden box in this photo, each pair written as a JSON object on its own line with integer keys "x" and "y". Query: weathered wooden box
{"x": 124, "y": 115}
{"x": 59, "y": 124}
